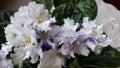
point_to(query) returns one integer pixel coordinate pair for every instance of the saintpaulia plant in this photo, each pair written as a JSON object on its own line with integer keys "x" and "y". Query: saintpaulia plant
{"x": 37, "y": 35}
{"x": 29, "y": 37}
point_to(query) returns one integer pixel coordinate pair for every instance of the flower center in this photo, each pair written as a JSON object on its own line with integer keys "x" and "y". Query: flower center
{"x": 43, "y": 35}
{"x": 27, "y": 41}
{"x": 38, "y": 19}
{"x": 96, "y": 32}
{"x": 14, "y": 35}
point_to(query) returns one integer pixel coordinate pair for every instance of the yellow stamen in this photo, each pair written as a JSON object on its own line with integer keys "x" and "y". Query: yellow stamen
{"x": 27, "y": 41}
{"x": 43, "y": 35}
{"x": 38, "y": 19}
{"x": 96, "y": 32}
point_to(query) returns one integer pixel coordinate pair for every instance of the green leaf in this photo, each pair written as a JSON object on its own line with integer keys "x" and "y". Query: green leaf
{"x": 38, "y": 1}
{"x": 87, "y": 7}
{"x": 26, "y": 64}
{"x": 5, "y": 15}
{"x": 4, "y": 21}
{"x": 109, "y": 58}
{"x": 47, "y": 3}
{"x": 74, "y": 64}
{"x": 57, "y": 3}
{"x": 67, "y": 10}
{"x": 2, "y": 35}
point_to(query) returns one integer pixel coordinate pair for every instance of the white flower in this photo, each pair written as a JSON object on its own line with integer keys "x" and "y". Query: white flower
{"x": 67, "y": 50}
{"x": 88, "y": 26}
{"x": 37, "y": 12}
{"x": 13, "y": 34}
{"x": 89, "y": 37}
{"x": 67, "y": 35}
{"x": 25, "y": 43}
{"x": 54, "y": 33}
{"x": 70, "y": 24}
{"x": 33, "y": 52}
{"x": 94, "y": 35}
{"x": 45, "y": 40}
{"x": 103, "y": 40}
{"x": 29, "y": 36}
{"x": 110, "y": 19}
{"x": 46, "y": 25}
{"x": 5, "y": 63}
{"x": 22, "y": 21}
{"x": 18, "y": 55}
{"x": 52, "y": 59}
{"x": 34, "y": 15}
{"x": 20, "y": 35}
{"x": 68, "y": 31}
{"x": 31, "y": 14}
{"x": 6, "y": 48}
{"x": 2, "y": 55}
{"x": 79, "y": 46}
{"x": 30, "y": 51}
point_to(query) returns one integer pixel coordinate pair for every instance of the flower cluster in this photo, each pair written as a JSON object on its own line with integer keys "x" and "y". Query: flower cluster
{"x": 33, "y": 32}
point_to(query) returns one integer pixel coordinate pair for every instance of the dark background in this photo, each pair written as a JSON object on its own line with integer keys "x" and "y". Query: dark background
{"x": 116, "y": 3}
{"x": 12, "y": 4}
{"x": 15, "y": 4}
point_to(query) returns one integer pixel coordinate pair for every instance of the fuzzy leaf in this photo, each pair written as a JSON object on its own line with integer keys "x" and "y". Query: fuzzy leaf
{"x": 67, "y": 10}
{"x": 4, "y": 21}
{"x": 109, "y": 58}
{"x": 87, "y": 7}
{"x": 57, "y": 3}
{"x": 26, "y": 64}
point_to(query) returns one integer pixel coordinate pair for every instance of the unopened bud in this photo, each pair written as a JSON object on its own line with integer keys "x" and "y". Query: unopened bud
{"x": 98, "y": 50}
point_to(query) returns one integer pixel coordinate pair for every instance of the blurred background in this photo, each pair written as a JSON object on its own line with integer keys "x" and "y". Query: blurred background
{"x": 15, "y": 4}
{"x": 12, "y": 4}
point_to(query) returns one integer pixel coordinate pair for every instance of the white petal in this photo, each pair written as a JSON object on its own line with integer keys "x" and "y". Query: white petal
{"x": 52, "y": 60}
{"x": 70, "y": 24}
{"x": 84, "y": 50}
{"x": 6, "y": 48}
{"x": 91, "y": 45}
